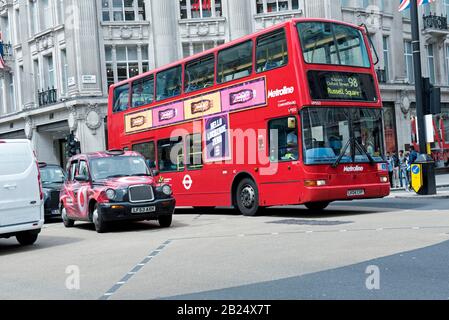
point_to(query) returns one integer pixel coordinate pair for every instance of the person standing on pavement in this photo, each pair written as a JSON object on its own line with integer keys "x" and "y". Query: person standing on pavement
{"x": 396, "y": 168}
{"x": 403, "y": 177}
{"x": 390, "y": 168}
{"x": 413, "y": 156}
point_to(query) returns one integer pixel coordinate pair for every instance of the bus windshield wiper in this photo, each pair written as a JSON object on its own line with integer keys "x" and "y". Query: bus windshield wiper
{"x": 363, "y": 151}
{"x": 342, "y": 154}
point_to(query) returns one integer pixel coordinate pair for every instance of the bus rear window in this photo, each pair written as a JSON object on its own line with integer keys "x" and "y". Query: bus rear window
{"x": 121, "y": 98}
{"x": 143, "y": 91}
{"x": 235, "y": 62}
{"x": 199, "y": 74}
{"x": 331, "y": 43}
{"x": 168, "y": 83}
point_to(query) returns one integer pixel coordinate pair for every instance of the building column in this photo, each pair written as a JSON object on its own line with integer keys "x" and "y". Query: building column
{"x": 164, "y": 17}
{"x": 240, "y": 18}
{"x": 90, "y": 128}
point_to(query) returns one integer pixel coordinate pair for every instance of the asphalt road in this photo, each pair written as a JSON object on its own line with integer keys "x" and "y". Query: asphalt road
{"x": 399, "y": 247}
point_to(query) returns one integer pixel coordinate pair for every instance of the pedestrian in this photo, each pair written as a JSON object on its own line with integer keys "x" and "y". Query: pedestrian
{"x": 396, "y": 168}
{"x": 390, "y": 168}
{"x": 403, "y": 176}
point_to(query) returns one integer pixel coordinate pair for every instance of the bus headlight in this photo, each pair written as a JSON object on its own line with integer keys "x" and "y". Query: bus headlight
{"x": 110, "y": 194}
{"x": 167, "y": 190}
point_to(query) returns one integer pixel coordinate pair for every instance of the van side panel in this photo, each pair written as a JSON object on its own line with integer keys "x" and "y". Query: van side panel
{"x": 20, "y": 201}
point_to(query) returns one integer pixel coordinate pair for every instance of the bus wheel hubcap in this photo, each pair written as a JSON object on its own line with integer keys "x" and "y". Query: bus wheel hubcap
{"x": 248, "y": 196}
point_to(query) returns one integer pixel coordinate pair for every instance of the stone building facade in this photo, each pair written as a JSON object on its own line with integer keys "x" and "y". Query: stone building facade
{"x": 61, "y": 55}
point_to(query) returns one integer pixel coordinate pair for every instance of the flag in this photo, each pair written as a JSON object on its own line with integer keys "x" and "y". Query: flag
{"x": 2, "y": 63}
{"x": 405, "y": 4}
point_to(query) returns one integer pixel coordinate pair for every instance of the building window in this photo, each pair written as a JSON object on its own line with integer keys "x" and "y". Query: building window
{"x": 408, "y": 53}
{"x": 271, "y": 6}
{"x": 123, "y": 10}
{"x": 12, "y": 95}
{"x": 197, "y": 9}
{"x": 17, "y": 25}
{"x": 446, "y": 8}
{"x": 191, "y": 48}
{"x": 33, "y": 18}
{"x": 46, "y": 15}
{"x": 447, "y": 63}
{"x": 125, "y": 63}
{"x": 61, "y": 11}
{"x": 50, "y": 72}
{"x": 431, "y": 63}
{"x": 386, "y": 51}
{"x": 64, "y": 71}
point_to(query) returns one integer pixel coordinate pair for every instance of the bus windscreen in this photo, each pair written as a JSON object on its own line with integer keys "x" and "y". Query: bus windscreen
{"x": 334, "y": 44}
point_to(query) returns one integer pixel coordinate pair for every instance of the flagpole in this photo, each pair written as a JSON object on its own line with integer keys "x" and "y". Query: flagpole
{"x": 418, "y": 75}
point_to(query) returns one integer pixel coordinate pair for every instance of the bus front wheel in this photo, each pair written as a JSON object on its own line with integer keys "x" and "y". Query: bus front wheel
{"x": 317, "y": 206}
{"x": 247, "y": 197}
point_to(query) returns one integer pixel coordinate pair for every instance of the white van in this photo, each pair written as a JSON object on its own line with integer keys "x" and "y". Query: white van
{"x": 21, "y": 198}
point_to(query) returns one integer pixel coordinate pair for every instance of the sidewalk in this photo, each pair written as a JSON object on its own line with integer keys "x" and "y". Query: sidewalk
{"x": 442, "y": 181}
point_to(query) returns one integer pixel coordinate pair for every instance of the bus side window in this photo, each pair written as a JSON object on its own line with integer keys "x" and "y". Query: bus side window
{"x": 170, "y": 154}
{"x": 168, "y": 83}
{"x": 283, "y": 139}
{"x": 194, "y": 151}
{"x": 199, "y": 73}
{"x": 121, "y": 98}
{"x": 271, "y": 51}
{"x": 143, "y": 91}
{"x": 148, "y": 150}
{"x": 235, "y": 62}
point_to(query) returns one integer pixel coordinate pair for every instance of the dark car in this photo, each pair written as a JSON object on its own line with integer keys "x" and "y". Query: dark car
{"x": 52, "y": 177}
{"x": 114, "y": 186}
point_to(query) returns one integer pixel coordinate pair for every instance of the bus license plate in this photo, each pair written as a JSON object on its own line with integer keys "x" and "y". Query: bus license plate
{"x": 355, "y": 193}
{"x": 143, "y": 210}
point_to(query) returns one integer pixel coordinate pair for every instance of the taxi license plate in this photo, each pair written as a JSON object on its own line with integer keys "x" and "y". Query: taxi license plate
{"x": 143, "y": 210}
{"x": 355, "y": 193}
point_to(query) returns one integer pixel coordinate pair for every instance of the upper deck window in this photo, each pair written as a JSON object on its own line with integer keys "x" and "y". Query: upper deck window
{"x": 271, "y": 51}
{"x": 168, "y": 83}
{"x": 199, "y": 74}
{"x": 330, "y": 43}
{"x": 143, "y": 91}
{"x": 121, "y": 98}
{"x": 235, "y": 62}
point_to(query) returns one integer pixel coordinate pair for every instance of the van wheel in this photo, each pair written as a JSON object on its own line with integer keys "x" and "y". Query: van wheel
{"x": 68, "y": 223}
{"x": 317, "y": 206}
{"x": 165, "y": 221}
{"x": 97, "y": 219}
{"x": 247, "y": 197}
{"x": 26, "y": 238}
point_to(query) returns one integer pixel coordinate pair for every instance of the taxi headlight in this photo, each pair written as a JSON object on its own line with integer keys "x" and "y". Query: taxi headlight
{"x": 110, "y": 194}
{"x": 167, "y": 190}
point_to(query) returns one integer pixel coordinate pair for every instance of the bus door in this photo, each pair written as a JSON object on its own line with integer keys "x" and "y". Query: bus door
{"x": 280, "y": 183}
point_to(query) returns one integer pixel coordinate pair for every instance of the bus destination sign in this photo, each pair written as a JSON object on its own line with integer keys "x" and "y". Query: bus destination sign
{"x": 344, "y": 86}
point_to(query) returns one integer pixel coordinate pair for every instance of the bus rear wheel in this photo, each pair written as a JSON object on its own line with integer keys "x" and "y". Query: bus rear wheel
{"x": 247, "y": 198}
{"x": 317, "y": 206}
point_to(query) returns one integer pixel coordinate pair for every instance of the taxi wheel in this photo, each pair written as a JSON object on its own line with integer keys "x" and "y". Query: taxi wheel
{"x": 317, "y": 206}
{"x": 165, "y": 221}
{"x": 97, "y": 219}
{"x": 68, "y": 223}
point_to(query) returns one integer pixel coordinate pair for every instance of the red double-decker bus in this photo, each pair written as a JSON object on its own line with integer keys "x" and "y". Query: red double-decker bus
{"x": 288, "y": 115}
